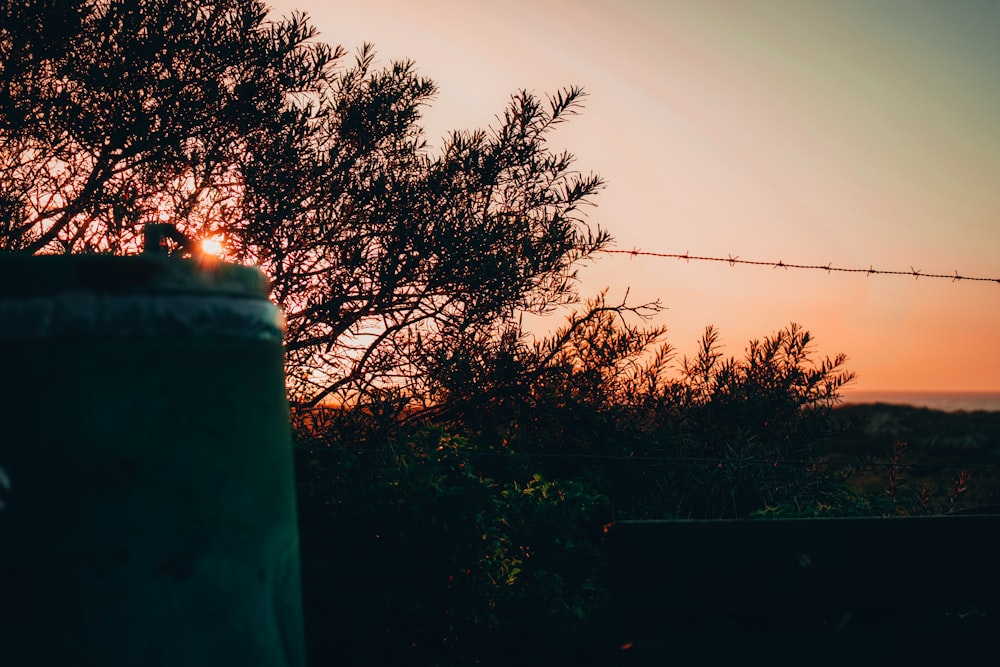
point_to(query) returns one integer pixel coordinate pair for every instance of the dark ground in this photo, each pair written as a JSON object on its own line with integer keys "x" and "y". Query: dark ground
{"x": 938, "y": 445}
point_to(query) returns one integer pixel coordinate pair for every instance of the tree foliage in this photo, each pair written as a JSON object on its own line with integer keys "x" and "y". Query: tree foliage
{"x": 417, "y": 557}
{"x": 480, "y": 530}
{"x": 606, "y": 399}
{"x": 215, "y": 117}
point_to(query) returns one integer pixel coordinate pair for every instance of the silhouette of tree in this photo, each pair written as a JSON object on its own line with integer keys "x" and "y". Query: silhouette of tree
{"x": 221, "y": 120}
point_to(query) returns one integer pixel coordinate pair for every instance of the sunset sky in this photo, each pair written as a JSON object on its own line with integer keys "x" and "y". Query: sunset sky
{"x": 852, "y": 133}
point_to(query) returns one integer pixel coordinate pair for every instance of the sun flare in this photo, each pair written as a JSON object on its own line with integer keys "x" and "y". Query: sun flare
{"x": 212, "y": 245}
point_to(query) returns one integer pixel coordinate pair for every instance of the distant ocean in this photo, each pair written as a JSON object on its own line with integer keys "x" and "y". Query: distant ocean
{"x": 949, "y": 401}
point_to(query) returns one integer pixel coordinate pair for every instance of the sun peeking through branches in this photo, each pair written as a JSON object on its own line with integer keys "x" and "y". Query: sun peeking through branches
{"x": 116, "y": 114}
{"x": 213, "y": 245}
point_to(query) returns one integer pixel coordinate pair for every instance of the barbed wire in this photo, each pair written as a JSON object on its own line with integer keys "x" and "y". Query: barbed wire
{"x": 734, "y": 260}
{"x": 713, "y": 461}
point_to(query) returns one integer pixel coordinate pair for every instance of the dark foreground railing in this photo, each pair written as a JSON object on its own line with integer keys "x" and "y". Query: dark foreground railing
{"x": 871, "y": 591}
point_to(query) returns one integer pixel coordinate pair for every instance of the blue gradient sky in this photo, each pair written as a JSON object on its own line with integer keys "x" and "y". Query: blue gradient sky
{"x": 856, "y": 133}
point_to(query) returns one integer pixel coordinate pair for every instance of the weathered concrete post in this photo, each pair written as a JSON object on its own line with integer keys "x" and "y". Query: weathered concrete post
{"x": 147, "y": 504}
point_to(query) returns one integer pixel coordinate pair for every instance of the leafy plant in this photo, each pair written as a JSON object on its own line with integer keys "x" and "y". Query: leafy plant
{"x": 410, "y": 555}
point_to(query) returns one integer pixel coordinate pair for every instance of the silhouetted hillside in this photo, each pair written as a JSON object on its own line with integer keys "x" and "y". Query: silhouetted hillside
{"x": 938, "y": 445}
{"x": 872, "y": 428}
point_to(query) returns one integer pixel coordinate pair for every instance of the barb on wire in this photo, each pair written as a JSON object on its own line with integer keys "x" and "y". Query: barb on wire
{"x": 829, "y": 268}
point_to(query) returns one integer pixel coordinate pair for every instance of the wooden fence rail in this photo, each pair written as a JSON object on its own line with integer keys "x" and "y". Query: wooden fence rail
{"x": 867, "y": 591}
